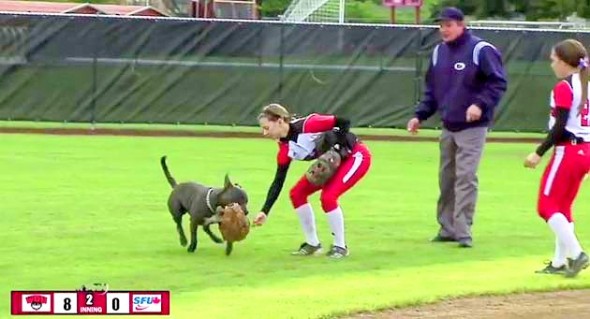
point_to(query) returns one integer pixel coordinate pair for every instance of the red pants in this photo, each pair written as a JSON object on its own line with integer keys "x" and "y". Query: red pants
{"x": 352, "y": 170}
{"x": 562, "y": 179}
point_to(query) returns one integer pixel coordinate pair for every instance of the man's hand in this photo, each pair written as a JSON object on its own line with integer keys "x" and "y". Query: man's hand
{"x": 473, "y": 113}
{"x": 532, "y": 160}
{"x": 413, "y": 126}
{"x": 260, "y": 219}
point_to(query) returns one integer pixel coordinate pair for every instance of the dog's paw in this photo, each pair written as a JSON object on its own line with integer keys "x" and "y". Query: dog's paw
{"x": 192, "y": 248}
{"x": 183, "y": 241}
{"x": 229, "y": 247}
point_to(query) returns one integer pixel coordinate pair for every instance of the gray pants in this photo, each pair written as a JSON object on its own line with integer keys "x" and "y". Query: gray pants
{"x": 460, "y": 154}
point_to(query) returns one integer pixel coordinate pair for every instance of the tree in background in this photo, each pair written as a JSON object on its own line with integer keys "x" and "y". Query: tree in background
{"x": 273, "y": 8}
{"x": 493, "y": 8}
{"x": 533, "y": 10}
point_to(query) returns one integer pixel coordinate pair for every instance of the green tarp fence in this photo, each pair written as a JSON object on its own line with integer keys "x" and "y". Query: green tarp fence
{"x": 148, "y": 70}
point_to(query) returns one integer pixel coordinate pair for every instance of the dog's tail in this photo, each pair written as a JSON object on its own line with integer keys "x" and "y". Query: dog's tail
{"x": 169, "y": 177}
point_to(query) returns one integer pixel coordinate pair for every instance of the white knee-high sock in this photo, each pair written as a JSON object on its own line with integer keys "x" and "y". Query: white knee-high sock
{"x": 563, "y": 230}
{"x": 336, "y": 220}
{"x": 307, "y": 220}
{"x": 560, "y": 257}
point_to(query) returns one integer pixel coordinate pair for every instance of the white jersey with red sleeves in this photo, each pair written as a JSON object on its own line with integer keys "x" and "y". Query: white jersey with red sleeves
{"x": 300, "y": 144}
{"x": 568, "y": 94}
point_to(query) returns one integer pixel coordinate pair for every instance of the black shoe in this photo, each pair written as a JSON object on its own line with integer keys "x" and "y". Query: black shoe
{"x": 442, "y": 239}
{"x": 307, "y": 250}
{"x": 549, "y": 269}
{"x": 465, "y": 242}
{"x": 576, "y": 265}
{"x": 337, "y": 252}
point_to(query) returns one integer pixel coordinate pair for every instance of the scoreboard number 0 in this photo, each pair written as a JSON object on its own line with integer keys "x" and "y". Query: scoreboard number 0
{"x": 115, "y": 304}
{"x": 118, "y": 303}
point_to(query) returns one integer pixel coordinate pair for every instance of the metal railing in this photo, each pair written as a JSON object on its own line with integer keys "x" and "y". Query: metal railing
{"x": 529, "y": 24}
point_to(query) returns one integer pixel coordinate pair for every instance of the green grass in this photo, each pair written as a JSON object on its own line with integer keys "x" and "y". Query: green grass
{"x": 93, "y": 209}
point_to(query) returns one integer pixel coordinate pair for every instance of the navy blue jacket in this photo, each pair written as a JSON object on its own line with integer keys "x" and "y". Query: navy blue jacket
{"x": 461, "y": 73}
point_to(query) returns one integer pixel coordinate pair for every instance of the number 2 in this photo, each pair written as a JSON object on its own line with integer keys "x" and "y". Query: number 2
{"x": 584, "y": 115}
{"x": 89, "y": 299}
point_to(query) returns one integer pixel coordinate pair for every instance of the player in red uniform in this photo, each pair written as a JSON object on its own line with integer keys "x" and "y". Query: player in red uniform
{"x": 297, "y": 139}
{"x": 570, "y": 135}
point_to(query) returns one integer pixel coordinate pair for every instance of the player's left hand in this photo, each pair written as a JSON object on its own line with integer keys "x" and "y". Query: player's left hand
{"x": 473, "y": 113}
{"x": 532, "y": 160}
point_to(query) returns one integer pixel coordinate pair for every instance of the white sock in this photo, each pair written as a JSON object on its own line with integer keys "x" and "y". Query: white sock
{"x": 559, "y": 259}
{"x": 562, "y": 228}
{"x": 307, "y": 220}
{"x": 336, "y": 221}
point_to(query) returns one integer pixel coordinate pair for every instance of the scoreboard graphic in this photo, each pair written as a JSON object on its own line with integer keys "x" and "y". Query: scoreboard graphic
{"x": 90, "y": 302}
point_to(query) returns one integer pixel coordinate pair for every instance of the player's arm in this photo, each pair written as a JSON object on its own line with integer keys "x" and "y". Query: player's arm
{"x": 556, "y": 133}
{"x": 317, "y": 123}
{"x": 283, "y": 163}
{"x": 563, "y": 96}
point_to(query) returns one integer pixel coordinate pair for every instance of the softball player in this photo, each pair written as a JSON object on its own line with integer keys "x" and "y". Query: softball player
{"x": 297, "y": 140}
{"x": 569, "y": 125}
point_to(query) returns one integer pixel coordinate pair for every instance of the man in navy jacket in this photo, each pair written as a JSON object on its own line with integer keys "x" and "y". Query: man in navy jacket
{"x": 464, "y": 83}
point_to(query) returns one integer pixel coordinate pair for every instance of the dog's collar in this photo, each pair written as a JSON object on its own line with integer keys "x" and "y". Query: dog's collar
{"x": 208, "y": 200}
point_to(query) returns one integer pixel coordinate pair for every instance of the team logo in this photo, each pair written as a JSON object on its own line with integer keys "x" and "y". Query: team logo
{"x": 459, "y": 66}
{"x": 36, "y": 303}
{"x": 147, "y": 303}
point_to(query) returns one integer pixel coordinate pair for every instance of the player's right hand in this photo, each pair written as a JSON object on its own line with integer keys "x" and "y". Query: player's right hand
{"x": 260, "y": 219}
{"x": 413, "y": 126}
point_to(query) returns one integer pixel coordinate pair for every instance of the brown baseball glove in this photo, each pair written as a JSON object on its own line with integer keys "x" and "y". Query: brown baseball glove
{"x": 234, "y": 225}
{"x": 323, "y": 168}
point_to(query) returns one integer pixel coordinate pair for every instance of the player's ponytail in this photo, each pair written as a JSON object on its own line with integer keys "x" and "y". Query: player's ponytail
{"x": 573, "y": 52}
{"x": 584, "y": 69}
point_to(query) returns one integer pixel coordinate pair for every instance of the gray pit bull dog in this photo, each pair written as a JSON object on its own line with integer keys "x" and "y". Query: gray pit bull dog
{"x": 202, "y": 203}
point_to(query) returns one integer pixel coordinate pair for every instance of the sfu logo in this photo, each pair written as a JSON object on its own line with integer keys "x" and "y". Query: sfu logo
{"x": 147, "y": 303}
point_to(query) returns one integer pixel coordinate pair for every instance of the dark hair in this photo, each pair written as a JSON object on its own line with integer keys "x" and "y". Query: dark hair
{"x": 274, "y": 111}
{"x": 574, "y": 53}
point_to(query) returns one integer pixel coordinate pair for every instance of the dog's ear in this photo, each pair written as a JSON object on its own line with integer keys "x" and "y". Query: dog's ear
{"x": 227, "y": 184}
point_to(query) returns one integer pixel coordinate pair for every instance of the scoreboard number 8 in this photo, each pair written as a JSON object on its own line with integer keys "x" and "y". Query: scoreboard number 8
{"x": 67, "y": 304}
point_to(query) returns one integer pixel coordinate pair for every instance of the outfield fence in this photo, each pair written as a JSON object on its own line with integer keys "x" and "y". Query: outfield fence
{"x": 81, "y": 68}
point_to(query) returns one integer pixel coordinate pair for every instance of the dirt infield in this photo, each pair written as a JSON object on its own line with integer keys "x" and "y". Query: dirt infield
{"x": 221, "y": 134}
{"x": 572, "y": 304}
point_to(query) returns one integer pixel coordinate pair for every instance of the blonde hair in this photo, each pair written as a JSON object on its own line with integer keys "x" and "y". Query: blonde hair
{"x": 275, "y": 111}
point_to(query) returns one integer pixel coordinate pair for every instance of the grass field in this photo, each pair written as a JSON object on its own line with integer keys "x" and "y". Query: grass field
{"x": 91, "y": 209}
